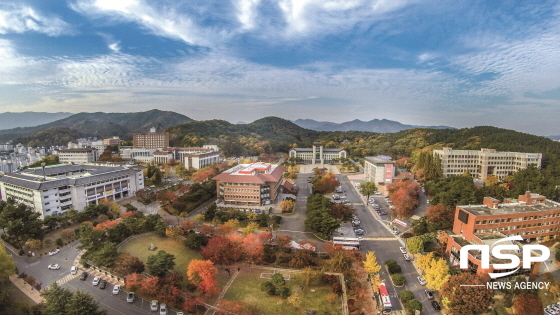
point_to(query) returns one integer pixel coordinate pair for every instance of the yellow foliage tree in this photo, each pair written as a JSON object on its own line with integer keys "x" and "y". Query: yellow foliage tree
{"x": 174, "y": 231}
{"x": 425, "y": 261}
{"x": 437, "y": 274}
{"x": 233, "y": 223}
{"x": 251, "y": 228}
{"x": 295, "y": 299}
{"x": 287, "y": 205}
{"x": 370, "y": 264}
{"x": 555, "y": 289}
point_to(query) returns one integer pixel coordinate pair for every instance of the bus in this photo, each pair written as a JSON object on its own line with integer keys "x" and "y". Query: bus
{"x": 384, "y": 299}
{"x": 347, "y": 241}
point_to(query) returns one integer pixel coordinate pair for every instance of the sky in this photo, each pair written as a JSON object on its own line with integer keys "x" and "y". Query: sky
{"x": 455, "y": 63}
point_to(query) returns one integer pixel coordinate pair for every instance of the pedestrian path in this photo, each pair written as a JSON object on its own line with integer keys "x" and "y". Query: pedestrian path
{"x": 66, "y": 279}
{"x": 379, "y": 239}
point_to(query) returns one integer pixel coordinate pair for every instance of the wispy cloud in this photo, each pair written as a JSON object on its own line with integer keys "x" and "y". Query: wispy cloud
{"x": 18, "y": 18}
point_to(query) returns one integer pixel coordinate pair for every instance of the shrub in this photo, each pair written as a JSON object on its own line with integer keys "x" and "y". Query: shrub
{"x": 557, "y": 255}
{"x": 284, "y": 292}
{"x": 329, "y": 279}
{"x": 276, "y": 219}
{"x": 405, "y": 296}
{"x": 59, "y": 242}
{"x": 394, "y": 268}
{"x": 398, "y": 279}
{"x": 268, "y": 287}
{"x": 413, "y": 305}
{"x": 277, "y": 279}
{"x": 337, "y": 288}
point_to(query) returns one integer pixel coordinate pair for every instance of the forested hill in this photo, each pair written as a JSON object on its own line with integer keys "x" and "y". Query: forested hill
{"x": 101, "y": 125}
{"x": 273, "y": 134}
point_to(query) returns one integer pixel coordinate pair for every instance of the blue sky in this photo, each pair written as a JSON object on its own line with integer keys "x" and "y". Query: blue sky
{"x": 456, "y": 63}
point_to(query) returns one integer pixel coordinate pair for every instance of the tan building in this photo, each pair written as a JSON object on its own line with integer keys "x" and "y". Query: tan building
{"x": 150, "y": 140}
{"x": 485, "y": 162}
{"x": 253, "y": 184}
{"x": 200, "y": 160}
{"x": 77, "y": 156}
{"x": 112, "y": 141}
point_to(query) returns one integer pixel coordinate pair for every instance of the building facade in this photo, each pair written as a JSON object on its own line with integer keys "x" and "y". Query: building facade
{"x": 485, "y": 162}
{"x": 379, "y": 169}
{"x": 253, "y": 184}
{"x": 318, "y": 154}
{"x": 77, "y": 156}
{"x": 112, "y": 141}
{"x": 200, "y": 160}
{"x": 59, "y": 188}
{"x": 150, "y": 140}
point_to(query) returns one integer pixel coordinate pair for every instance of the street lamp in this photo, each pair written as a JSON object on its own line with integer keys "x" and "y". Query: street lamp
{"x": 43, "y": 166}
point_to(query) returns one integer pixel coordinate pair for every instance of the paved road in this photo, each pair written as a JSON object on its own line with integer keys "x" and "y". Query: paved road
{"x": 294, "y": 224}
{"x": 386, "y": 247}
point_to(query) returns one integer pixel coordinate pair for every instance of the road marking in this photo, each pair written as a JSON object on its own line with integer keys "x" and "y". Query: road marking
{"x": 379, "y": 239}
{"x": 66, "y": 279}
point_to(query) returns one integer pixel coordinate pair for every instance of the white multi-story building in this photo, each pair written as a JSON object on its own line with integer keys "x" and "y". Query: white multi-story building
{"x": 56, "y": 189}
{"x": 318, "y": 154}
{"x": 200, "y": 160}
{"x": 77, "y": 156}
{"x": 485, "y": 162}
{"x": 379, "y": 169}
{"x": 141, "y": 155}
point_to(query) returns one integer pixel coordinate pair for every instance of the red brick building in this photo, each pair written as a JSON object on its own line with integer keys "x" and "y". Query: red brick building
{"x": 531, "y": 216}
{"x": 253, "y": 184}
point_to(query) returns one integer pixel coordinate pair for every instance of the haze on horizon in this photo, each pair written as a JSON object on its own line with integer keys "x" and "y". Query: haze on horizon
{"x": 460, "y": 63}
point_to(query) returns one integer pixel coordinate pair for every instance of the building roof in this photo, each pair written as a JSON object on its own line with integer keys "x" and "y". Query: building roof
{"x": 510, "y": 208}
{"x": 311, "y": 149}
{"x": 380, "y": 159}
{"x": 66, "y": 175}
{"x": 233, "y": 175}
{"x": 75, "y": 150}
{"x": 203, "y": 154}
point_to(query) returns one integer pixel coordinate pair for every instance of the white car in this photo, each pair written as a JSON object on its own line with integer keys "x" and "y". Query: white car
{"x": 162, "y": 309}
{"x": 406, "y": 257}
{"x": 96, "y": 281}
{"x": 421, "y": 280}
{"x": 154, "y": 306}
{"x": 54, "y": 252}
{"x": 403, "y": 250}
{"x": 73, "y": 270}
{"x": 54, "y": 266}
{"x": 116, "y": 289}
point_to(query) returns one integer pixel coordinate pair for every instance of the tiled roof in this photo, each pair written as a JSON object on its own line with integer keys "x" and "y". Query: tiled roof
{"x": 275, "y": 176}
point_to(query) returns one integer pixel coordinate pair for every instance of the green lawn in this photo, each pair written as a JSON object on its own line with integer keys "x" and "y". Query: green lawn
{"x": 139, "y": 248}
{"x": 246, "y": 288}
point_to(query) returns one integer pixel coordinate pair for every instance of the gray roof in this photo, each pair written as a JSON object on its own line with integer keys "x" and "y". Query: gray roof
{"x": 94, "y": 174}
{"x": 311, "y": 150}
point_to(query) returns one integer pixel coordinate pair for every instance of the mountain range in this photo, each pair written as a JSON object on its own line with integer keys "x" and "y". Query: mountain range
{"x": 10, "y": 120}
{"x": 101, "y": 125}
{"x": 375, "y": 125}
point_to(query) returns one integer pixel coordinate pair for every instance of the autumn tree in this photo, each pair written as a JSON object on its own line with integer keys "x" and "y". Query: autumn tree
{"x": 7, "y": 265}
{"x": 284, "y": 242}
{"x": 133, "y": 281}
{"x": 440, "y": 217}
{"x": 437, "y": 274}
{"x": 187, "y": 225}
{"x": 367, "y": 189}
{"x": 252, "y": 227}
{"x": 174, "y": 231}
{"x": 372, "y": 268}
{"x": 325, "y": 183}
{"x": 203, "y": 273}
{"x": 126, "y": 264}
{"x": 221, "y": 250}
{"x": 287, "y": 205}
{"x": 466, "y": 300}
{"x": 342, "y": 212}
{"x": 527, "y": 304}
{"x": 415, "y": 244}
{"x": 33, "y": 244}
{"x": 150, "y": 286}
{"x": 404, "y": 193}
{"x": 253, "y": 248}
{"x": 68, "y": 234}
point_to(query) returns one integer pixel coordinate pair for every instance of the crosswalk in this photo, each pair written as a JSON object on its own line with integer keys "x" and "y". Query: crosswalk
{"x": 379, "y": 239}
{"x": 66, "y": 279}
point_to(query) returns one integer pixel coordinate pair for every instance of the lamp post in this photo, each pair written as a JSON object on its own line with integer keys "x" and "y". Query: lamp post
{"x": 43, "y": 166}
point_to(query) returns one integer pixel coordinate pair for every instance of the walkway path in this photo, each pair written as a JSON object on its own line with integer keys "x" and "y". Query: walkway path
{"x": 26, "y": 288}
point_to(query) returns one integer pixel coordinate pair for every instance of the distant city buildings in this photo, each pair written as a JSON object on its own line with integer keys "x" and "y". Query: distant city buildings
{"x": 59, "y": 188}
{"x": 150, "y": 140}
{"x": 485, "y": 162}
{"x": 318, "y": 154}
{"x": 379, "y": 169}
{"x": 112, "y": 141}
{"x": 253, "y": 184}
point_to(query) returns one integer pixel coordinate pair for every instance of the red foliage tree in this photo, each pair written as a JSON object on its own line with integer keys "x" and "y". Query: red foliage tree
{"x": 106, "y": 225}
{"x": 204, "y": 175}
{"x": 224, "y": 230}
{"x": 283, "y": 242}
{"x": 206, "y": 229}
{"x": 467, "y": 300}
{"x": 527, "y": 304}
{"x": 221, "y": 250}
{"x": 150, "y": 286}
{"x": 440, "y": 212}
{"x": 253, "y": 248}
{"x": 187, "y": 225}
{"x": 404, "y": 193}
{"x": 203, "y": 274}
{"x": 133, "y": 281}
{"x": 128, "y": 214}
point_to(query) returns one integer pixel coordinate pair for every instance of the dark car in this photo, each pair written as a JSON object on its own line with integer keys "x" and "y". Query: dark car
{"x": 83, "y": 276}
{"x": 435, "y": 304}
{"x": 103, "y": 284}
{"x": 429, "y": 294}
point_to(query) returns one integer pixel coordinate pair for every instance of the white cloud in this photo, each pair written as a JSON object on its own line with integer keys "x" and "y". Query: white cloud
{"x": 247, "y": 12}
{"x": 20, "y": 19}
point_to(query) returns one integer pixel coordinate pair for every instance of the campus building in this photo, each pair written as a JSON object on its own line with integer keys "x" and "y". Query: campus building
{"x": 200, "y": 160}
{"x": 379, "y": 169}
{"x": 77, "y": 156}
{"x": 485, "y": 162}
{"x": 150, "y": 140}
{"x": 318, "y": 154}
{"x": 112, "y": 141}
{"x": 531, "y": 216}
{"x": 253, "y": 184}
{"x": 58, "y": 188}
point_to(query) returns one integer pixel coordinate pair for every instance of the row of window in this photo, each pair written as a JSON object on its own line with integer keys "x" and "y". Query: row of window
{"x": 106, "y": 181}
{"x": 517, "y": 232}
{"x": 242, "y": 196}
{"x": 20, "y": 198}
{"x": 27, "y": 193}
{"x": 519, "y": 219}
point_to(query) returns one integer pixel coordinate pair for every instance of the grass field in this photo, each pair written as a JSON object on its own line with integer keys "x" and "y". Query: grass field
{"x": 246, "y": 288}
{"x": 139, "y": 248}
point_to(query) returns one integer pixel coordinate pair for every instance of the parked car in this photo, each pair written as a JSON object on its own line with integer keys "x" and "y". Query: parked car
{"x": 53, "y": 266}
{"x": 116, "y": 289}
{"x": 83, "y": 276}
{"x": 154, "y": 306}
{"x": 406, "y": 257}
{"x": 359, "y": 232}
{"x": 54, "y": 252}
{"x": 421, "y": 280}
{"x": 130, "y": 297}
{"x": 162, "y": 309}
{"x": 73, "y": 270}
{"x": 102, "y": 284}
{"x": 436, "y": 306}
{"x": 403, "y": 250}
{"x": 429, "y": 294}
{"x": 96, "y": 281}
